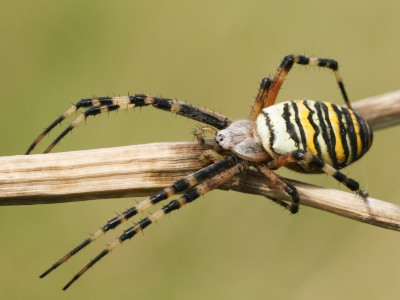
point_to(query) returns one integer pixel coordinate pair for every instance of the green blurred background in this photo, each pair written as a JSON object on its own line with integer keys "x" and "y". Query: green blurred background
{"x": 212, "y": 53}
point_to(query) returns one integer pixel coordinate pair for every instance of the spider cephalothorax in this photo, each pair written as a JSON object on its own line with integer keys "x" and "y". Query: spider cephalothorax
{"x": 243, "y": 140}
{"x": 304, "y": 135}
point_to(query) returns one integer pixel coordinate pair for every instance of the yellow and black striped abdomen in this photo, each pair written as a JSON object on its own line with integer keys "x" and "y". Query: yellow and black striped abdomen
{"x": 331, "y": 132}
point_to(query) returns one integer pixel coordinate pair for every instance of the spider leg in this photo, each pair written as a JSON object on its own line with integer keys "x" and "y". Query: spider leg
{"x": 106, "y": 104}
{"x": 285, "y": 186}
{"x": 210, "y": 156}
{"x": 315, "y": 163}
{"x": 201, "y": 131}
{"x": 287, "y": 64}
{"x": 261, "y": 98}
{"x": 269, "y": 89}
{"x": 92, "y": 111}
{"x": 280, "y": 202}
{"x": 83, "y": 103}
{"x": 177, "y": 187}
{"x": 191, "y": 195}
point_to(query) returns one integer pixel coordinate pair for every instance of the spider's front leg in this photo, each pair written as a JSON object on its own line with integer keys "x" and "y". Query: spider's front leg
{"x": 214, "y": 179}
{"x": 100, "y": 105}
{"x": 179, "y": 186}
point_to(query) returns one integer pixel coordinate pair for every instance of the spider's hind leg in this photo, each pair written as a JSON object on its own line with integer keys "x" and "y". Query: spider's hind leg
{"x": 285, "y": 186}
{"x": 315, "y": 163}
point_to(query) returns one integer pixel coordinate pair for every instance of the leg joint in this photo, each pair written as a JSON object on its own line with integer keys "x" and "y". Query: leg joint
{"x": 298, "y": 154}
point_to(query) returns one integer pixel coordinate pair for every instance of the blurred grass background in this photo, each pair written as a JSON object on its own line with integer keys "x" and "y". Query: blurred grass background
{"x": 211, "y": 53}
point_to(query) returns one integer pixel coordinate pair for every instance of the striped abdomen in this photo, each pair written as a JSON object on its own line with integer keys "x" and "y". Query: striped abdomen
{"x": 334, "y": 133}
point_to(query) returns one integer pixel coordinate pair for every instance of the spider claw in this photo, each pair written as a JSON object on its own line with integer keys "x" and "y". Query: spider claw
{"x": 362, "y": 194}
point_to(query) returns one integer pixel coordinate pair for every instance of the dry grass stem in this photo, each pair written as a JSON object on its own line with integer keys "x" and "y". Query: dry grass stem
{"x": 140, "y": 170}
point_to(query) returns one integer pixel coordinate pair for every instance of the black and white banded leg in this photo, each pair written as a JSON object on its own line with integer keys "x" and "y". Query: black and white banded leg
{"x": 315, "y": 163}
{"x": 95, "y": 106}
{"x": 190, "y": 195}
{"x": 270, "y": 88}
{"x": 177, "y": 187}
{"x": 285, "y": 186}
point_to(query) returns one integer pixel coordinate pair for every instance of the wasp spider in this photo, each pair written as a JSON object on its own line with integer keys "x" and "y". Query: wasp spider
{"x": 303, "y": 135}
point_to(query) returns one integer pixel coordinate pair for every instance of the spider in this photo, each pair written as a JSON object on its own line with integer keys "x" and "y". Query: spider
{"x": 303, "y": 135}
